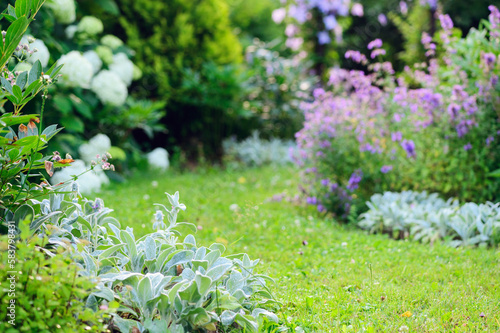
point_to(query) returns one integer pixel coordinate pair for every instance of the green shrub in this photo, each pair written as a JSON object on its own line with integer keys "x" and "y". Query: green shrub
{"x": 42, "y": 293}
{"x": 253, "y": 19}
{"x": 173, "y": 39}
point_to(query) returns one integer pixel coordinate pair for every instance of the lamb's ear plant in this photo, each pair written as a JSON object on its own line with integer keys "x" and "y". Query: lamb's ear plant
{"x": 160, "y": 281}
{"x": 428, "y": 218}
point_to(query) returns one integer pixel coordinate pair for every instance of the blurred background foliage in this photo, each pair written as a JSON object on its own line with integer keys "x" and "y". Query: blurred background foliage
{"x": 206, "y": 70}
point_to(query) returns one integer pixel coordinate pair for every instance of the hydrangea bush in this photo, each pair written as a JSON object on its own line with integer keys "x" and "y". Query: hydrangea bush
{"x": 95, "y": 82}
{"x": 435, "y": 127}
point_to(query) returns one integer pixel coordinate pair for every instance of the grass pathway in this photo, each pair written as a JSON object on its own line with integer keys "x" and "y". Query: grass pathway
{"x": 341, "y": 280}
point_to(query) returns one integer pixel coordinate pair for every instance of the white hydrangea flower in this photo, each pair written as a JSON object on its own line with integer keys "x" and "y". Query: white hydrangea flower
{"x": 70, "y": 31}
{"x": 123, "y": 67}
{"x": 98, "y": 145}
{"x": 89, "y": 182}
{"x": 90, "y": 25}
{"x": 94, "y": 59}
{"x": 64, "y": 10}
{"x": 22, "y": 67}
{"x": 109, "y": 88}
{"x": 111, "y": 41}
{"x": 41, "y": 54}
{"x": 158, "y": 159}
{"x": 77, "y": 70}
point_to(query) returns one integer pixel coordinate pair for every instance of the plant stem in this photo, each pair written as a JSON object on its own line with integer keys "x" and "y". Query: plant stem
{"x": 44, "y": 97}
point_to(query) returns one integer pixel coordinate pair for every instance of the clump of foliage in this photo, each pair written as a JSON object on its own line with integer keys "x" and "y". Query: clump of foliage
{"x": 160, "y": 282}
{"x": 43, "y": 291}
{"x": 94, "y": 90}
{"x": 428, "y": 218}
{"x": 433, "y": 128}
{"x": 254, "y": 20}
{"x": 176, "y": 45}
{"x": 316, "y": 27}
{"x": 254, "y": 151}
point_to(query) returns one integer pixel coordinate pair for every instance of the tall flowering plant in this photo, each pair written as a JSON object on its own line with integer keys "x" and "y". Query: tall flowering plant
{"x": 314, "y": 25}
{"x": 435, "y": 127}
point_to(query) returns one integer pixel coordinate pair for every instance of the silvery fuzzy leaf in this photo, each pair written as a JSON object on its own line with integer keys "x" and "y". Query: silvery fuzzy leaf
{"x": 190, "y": 240}
{"x": 200, "y": 253}
{"x": 105, "y": 293}
{"x": 217, "y": 246}
{"x": 150, "y": 248}
{"x": 124, "y": 325}
{"x": 179, "y": 258}
{"x": 188, "y": 274}
{"x": 217, "y": 272}
{"x": 156, "y": 326}
{"x": 212, "y": 256}
{"x": 269, "y": 315}
{"x": 204, "y": 283}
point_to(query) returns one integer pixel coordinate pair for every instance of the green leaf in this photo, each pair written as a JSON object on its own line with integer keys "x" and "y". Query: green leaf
{"x": 38, "y": 222}
{"x": 105, "y": 293}
{"x": 18, "y": 93}
{"x": 6, "y": 84}
{"x": 203, "y": 282}
{"x": 108, "y": 252}
{"x": 144, "y": 291}
{"x": 14, "y": 35}
{"x": 63, "y": 104}
{"x": 12, "y": 11}
{"x": 35, "y": 72}
{"x": 14, "y": 154}
{"x": 495, "y": 174}
{"x": 132, "y": 249}
{"x": 22, "y": 79}
{"x": 33, "y": 87}
{"x": 23, "y": 213}
{"x": 73, "y": 124}
{"x": 109, "y": 6}
{"x": 10, "y": 120}
{"x": 22, "y": 8}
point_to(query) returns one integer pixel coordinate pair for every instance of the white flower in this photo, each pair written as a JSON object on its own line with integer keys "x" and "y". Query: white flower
{"x": 90, "y": 25}
{"x": 70, "y": 31}
{"x": 42, "y": 52}
{"x": 109, "y": 88}
{"x": 94, "y": 59}
{"x": 64, "y": 10}
{"x": 77, "y": 70}
{"x": 87, "y": 183}
{"x": 123, "y": 67}
{"x": 111, "y": 41}
{"x": 158, "y": 159}
{"x": 22, "y": 67}
{"x": 98, "y": 145}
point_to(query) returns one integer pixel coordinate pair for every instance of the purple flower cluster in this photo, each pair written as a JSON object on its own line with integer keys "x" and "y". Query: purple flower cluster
{"x": 301, "y": 11}
{"x": 354, "y": 180}
{"x": 368, "y": 124}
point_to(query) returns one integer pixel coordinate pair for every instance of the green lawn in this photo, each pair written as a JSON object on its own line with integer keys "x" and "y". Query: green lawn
{"x": 342, "y": 280}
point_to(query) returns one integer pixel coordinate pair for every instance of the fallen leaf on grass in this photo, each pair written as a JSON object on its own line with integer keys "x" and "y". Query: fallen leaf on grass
{"x": 406, "y": 314}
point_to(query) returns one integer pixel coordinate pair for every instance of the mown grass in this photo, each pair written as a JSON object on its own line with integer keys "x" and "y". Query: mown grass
{"x": 329, "y": 278}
